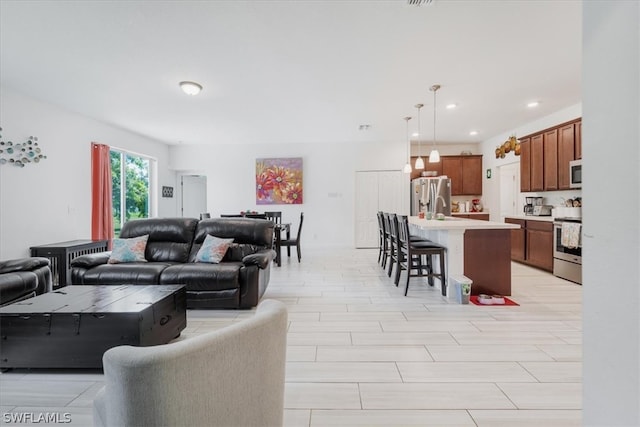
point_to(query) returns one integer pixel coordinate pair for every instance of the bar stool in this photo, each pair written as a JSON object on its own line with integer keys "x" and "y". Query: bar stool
{"x": 412, "y": 255}
{"x": 382, "y": 241}
{"x": 393, "y": 243}
{"x": 386, "y": 228}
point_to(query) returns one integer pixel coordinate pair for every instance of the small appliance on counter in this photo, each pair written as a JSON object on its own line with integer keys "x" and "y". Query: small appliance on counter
{"x": 531, "y": 202}
{"x": 542, "y": 210}
{"x": 476, "y": 205}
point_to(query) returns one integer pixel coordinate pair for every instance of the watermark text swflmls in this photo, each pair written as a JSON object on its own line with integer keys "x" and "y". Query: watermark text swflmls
{"x": 36, "y": 417}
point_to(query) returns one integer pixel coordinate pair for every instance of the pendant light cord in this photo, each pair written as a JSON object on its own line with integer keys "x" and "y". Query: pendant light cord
{"x": 408, "y": 140}
{"x": 434, "y": 119}
{"x": 419, "y": 161}
{"x": 434, "y": 89}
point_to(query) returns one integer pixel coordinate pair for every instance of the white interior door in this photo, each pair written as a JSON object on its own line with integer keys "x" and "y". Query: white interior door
{"x": 509, "y": 189}
{"x": 366, "y": 208}
{"x": 385, "y": 191}
{"x": 194, "y": 195}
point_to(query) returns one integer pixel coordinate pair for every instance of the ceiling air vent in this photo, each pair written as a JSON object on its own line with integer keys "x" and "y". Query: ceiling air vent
{"x": 419, "y": 2}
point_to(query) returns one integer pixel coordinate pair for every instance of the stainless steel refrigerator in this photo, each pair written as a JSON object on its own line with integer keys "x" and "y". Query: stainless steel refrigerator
{"x": 431, "y": 195}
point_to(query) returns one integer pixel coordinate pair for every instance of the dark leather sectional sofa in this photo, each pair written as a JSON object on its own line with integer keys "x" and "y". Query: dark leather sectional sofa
{"x": 24, "y": 278}
{"x": 239, "y": 281}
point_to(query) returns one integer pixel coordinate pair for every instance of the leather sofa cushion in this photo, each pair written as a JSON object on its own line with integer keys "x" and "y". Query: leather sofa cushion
{"x": 140, "y": 273}
{"x": 23, "y": 264}
{"x": 17, "y": 285}
{"x": 249, "y": 236}
{"x": 203, "y": 277}
{"x": 169, "y": 238}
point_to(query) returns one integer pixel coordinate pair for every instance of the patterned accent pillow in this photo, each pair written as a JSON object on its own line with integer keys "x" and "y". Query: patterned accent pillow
{"x": 213, "y": 249}
{"x": 129, "y": 250}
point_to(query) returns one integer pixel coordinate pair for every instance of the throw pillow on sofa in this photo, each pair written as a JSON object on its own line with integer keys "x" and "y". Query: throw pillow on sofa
{"x": 129, "y": 250}
{"x": 213, "y": 249}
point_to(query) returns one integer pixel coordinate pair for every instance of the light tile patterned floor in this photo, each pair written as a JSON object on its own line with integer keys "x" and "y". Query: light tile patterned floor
{"x": 360, "y": 353}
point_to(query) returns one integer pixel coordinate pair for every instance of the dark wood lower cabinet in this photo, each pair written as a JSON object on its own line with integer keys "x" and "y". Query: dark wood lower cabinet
{"x": 486, "y": 261}
{"x": 517, "y": 239}
{"x": 540, "y": 249}
{"x": 532, "y": 243}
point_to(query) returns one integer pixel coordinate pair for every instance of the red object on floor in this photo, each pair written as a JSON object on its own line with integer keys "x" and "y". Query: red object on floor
{"x": 507, "y": 301}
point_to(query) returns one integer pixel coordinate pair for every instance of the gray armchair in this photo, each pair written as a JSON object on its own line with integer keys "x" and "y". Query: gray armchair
{"x": 230, "y": 377}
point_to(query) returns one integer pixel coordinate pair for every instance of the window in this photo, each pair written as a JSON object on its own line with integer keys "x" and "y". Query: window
{"x": 130, "y": 192}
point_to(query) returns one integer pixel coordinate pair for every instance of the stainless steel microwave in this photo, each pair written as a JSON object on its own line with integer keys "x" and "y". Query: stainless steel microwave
{"x": 575, "y": 174}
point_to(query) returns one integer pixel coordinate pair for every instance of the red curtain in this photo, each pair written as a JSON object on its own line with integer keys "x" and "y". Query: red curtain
{"x": 101, "y": 207}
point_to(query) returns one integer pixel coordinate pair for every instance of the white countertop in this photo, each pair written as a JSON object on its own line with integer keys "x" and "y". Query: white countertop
{"x": 452, "y": 223}
{"x": 532, "y": 218}
{"x": 470, "y": 213}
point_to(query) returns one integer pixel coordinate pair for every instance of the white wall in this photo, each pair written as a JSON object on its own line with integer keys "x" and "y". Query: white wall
{"x": 50, "y": 201}
{"x": 328, "y": 179}
{"x": 491, "y": 187}
{"x": 611, "y": 246}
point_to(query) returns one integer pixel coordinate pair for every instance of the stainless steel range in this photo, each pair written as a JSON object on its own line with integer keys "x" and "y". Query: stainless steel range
{"x": 567, "y": 252}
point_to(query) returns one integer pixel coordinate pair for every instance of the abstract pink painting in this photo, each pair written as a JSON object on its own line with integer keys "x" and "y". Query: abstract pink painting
{"x": 279, "y": 181}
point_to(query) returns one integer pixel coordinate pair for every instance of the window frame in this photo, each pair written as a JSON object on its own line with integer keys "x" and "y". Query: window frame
{"x": 151, "y": 184}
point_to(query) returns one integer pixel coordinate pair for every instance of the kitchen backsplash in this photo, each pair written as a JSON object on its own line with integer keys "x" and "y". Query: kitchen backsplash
{"x": 552, "y": 198}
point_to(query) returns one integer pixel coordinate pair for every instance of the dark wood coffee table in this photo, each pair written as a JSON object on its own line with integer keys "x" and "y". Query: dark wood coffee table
{"x": 73, "y": 326}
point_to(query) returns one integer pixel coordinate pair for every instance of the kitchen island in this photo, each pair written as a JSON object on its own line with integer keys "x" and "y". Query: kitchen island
{"x": 479, "y": 250}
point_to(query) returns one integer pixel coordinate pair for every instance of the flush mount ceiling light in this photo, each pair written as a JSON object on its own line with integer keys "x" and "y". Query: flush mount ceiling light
{"x": 473, "y": 133}
{"x": 451, "y": 106}
{"x": 533, "y": 104}
{"x": 190, "y": 88}
{"x": 434, "y": 156}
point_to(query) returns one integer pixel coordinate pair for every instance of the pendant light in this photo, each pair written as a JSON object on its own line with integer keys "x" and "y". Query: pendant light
{"x": 434, "y": 156}
{"x": 419, "y": 161}
{"x": 407, "y": 167}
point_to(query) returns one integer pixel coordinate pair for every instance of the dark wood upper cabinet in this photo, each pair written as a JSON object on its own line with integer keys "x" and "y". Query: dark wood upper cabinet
{"x": 465, "y": 173}
{"x": 545, "y": 157}
{"x": 537, "y": 162}
{"x": 551, "y": 160}
{"x": 578, "y": 142}
{"x": 417, "y": 173}
{"x": 566, "y": 153}
{"x": 472, "y": 175}
{"x": 525, "y": 164}
{"x": 452, "y": 167}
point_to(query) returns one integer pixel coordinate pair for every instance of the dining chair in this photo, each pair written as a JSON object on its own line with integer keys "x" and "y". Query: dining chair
{"x": 274, "y": 216}
{"x": 393, "y": 243}
{"x": 416, "y": 257}
{"x": 294, "y": 242}
{"x": 381, "y": 239}
{"x": 387, "y": 236}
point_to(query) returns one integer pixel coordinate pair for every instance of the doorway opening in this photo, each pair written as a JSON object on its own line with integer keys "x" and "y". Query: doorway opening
{"x": 193, "y": 195}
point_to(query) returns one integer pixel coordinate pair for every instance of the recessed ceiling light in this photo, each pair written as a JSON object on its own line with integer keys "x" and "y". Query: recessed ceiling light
{"x": 473, "y": 133}
{"x": 451, "y": 106}
{"x": 415, "y": 134}
{"x": 533, "y": 104}
{"x": 190, "y": 88}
